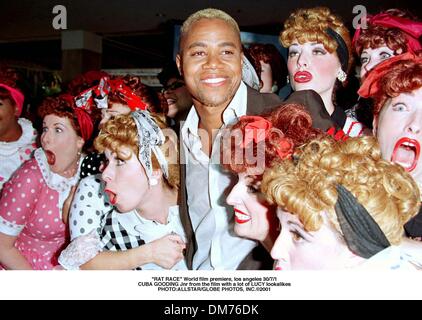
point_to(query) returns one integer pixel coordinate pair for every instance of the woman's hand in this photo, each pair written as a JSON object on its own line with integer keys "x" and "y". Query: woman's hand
{"x": 167, "y": 251}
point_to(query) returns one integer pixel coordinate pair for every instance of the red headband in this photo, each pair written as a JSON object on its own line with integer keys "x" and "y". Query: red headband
{"x": 98, "y": 96}
{"x": 411, "y": 28}
{"x": 17, "y": 96}
{"x": 371, "y": 85}
{"x": 84, "y": 119}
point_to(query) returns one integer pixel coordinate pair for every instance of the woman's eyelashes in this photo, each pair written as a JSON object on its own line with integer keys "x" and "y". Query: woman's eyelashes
{"x": 120, "y": 162}
{"x": 297, "y": 236}
{"x": 382, "y": 56}
{"x": 315, "y": 52}
{"x": 400, "y": 107}
{"x": 319, "y": 51}
{"x": 252, "y": 189}
{"x": 252, "y": 185}
{"x": 293, "y": 52}
{"x": 385, "y": 55}
{"x": 364, "y": 60}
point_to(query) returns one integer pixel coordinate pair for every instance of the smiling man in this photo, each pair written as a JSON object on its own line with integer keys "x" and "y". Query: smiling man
{"x": 210, "y": 60}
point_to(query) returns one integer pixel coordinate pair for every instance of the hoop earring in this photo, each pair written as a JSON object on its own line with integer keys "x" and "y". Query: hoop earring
{"x": 341, "y": 75}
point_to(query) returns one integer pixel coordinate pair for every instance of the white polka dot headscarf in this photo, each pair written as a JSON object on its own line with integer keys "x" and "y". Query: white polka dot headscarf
{"x": 150, "y": 138}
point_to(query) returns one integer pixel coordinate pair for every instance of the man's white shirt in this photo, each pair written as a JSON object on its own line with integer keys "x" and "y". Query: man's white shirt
{"x": 208, "y": 185}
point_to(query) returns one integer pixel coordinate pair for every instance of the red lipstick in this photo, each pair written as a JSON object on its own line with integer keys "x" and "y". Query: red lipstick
{"x": 406, "y": 153}
{"x": 302, "y": 77}
{"x": 240, "y": 217}
{"x": 112, "y": 196}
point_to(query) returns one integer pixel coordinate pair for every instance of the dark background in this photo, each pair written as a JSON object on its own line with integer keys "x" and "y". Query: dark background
{"x": 139, "y": 33}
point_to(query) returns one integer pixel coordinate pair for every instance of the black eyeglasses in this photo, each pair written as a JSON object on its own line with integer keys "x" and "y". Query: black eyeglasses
{"x": 175, "y": 85}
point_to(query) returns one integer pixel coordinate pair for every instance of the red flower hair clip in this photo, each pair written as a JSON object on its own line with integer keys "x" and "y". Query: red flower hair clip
{"x": 284, "y": 148}
{"x": 257, "y": 130}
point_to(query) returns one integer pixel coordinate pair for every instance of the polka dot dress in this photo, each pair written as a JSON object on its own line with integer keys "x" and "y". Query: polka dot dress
{"x": 90, "y": 205}
{"x": 91, "y": 164}
{"x": 14, "y": 154}
{"x": 29, "y": 210}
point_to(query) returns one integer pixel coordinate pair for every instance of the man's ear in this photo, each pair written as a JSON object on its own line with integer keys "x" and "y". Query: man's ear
{"x": 179, "y": 64}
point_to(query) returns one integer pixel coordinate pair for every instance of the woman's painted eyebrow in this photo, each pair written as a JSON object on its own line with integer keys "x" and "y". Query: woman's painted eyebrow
{"x": 399, "y": 103}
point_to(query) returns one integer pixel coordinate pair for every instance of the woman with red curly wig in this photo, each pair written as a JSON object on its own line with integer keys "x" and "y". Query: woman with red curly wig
{"x": 17, "y": 136}
{"x": 341, "y": 206}
{"x": 252, "y": 145}
{"x": 387, "y": 34}
{"x": 396, "y": 87}
{"x": 32, "y": 231}
{"x": 319, "y": 59}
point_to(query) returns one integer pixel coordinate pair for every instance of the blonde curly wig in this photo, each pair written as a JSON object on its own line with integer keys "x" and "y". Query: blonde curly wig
{"x": 307, "y": 186}
{"x": 121, "y": 131}
{"x": 310, "y": 25}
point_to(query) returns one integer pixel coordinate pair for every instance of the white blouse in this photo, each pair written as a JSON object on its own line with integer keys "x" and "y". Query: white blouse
{"x": 13, "y": 154}
{"x": 150, "y": 230}
{"x": 55, "y": 181}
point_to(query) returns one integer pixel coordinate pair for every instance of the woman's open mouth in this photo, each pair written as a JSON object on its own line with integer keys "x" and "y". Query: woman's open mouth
{"x": 406, "y": 153}
{"x": 111, "y": 196}
{"x": 51, "y": 157}
{"x": 240, "y": 217}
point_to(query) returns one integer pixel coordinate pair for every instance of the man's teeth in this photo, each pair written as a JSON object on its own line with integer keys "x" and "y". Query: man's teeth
{"x": 214, "y": 80}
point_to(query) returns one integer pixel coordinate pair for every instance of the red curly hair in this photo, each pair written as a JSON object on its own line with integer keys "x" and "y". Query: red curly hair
{"x": 376, "y": 36}
{"x": 295, "y": 124}
{"x": 60, "y": 107}
{"x": 85, "y": 81}
{"x": 404, "y": 77}
{"x": 146, "y": 93}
